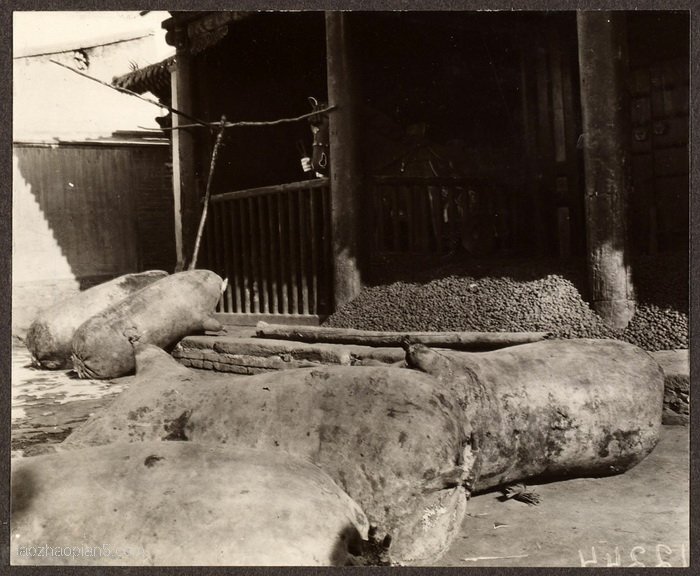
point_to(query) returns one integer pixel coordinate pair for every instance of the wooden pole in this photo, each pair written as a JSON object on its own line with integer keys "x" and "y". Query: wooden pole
{"x": 601, "y": 52}
{"x": 185, "y": 198}
{"x": 207, "y": 193}
{"x": 345, "y": 166}
{"x": 455, "y": 340}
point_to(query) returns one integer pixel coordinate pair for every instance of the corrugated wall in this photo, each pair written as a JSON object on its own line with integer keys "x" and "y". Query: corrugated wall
{"x": 87, "y": 212}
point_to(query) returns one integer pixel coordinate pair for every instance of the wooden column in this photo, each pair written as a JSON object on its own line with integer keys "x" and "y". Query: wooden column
{"x": 185, "y": 194}
{"x": 345, "y": 168}
{"x": 601, "y": 61}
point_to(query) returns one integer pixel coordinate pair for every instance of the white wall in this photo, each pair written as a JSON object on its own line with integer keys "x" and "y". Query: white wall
{"x": 52, "y": 102}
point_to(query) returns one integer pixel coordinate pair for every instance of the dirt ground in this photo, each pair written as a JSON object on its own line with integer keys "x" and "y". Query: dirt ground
{"x": 634, "y": 519}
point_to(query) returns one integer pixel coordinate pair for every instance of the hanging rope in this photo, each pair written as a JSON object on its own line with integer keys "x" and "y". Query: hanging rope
{"x": 207, "y": 193}
{"x": 135, "y": 95}
{"x": 245, "y": 123}
{"x": 198, "y": 123}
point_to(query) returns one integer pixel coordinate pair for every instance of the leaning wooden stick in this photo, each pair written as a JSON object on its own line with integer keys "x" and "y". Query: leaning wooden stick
{"x": 207, "y": 193}
{"x": 455, "y": 340}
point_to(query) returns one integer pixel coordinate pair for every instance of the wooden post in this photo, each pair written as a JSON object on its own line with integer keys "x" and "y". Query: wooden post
{"x": 185, "y": 197}
{"x": 601, "y": 61}
{"x": 345, "y": 175}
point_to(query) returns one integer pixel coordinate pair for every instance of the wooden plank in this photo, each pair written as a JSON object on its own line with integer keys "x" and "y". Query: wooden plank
{"x": 263, "y": 256}
{"x": 293, "y": 254}
{"x": 564, "y": 227}
{"x": 283, "y": 253}
{"x": 395, "y": 237}
{"x": 217, "y": 265}
{"x": 315, "y": 246}
{"x": 527, "y": 210}
{"x": 273, "y": 253}
{"x": 653, "y": 231}
{"x": 573, "y": 163}
{"x": 326, "y": 295}
{"x": 265, "y": 190}
{"x": 254, "y": 256}
{"x": 303, "y": 252}
{"x": 411, "y": 215}
{"x": 557, "y": 95}
{"x": 455, "y": 340}
{"x": 234, "y": 279}
{"x": 425, "y": 224}
{"x": 227, "y": 297}
{"x": 545, "y": 153}
{"x": 413, "y": 192}
{"x": 245, "y": 252}
{"x": 453, "y": 216}
{"x": 378, "y": 217}
{"x": 438, "y": 217}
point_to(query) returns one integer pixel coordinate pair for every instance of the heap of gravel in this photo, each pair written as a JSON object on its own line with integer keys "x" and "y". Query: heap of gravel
{"x": 541, "y": 296}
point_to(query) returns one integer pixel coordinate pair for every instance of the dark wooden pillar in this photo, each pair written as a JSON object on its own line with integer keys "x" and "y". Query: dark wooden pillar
{"x": 185, "y": 192}
{"x": 601, "y": 61}
{"x": 345, "y": 168}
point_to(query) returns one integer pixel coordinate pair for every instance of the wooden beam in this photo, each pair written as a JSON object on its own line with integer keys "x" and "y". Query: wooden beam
{"x": 456, "y": 340}
{"x": 602, "y": 63}
{"x": 345, "y": 167}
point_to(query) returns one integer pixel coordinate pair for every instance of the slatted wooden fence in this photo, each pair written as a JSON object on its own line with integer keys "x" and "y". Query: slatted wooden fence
{"x": 273, "y": 245}
{"x": 439, "y": 215}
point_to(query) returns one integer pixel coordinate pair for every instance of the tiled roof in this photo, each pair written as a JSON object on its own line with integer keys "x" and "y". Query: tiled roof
{"x": 154, "y": 78}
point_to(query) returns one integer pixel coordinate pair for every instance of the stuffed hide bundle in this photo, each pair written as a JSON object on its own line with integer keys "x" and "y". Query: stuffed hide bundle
{"x": 161, "y": 314}
{"x": 408, "y": 445}
{"x": 389, "y": 437}
{"x": 180, "y": 503}
{"x": 553, "y": 409}
{"x": 50, "y": 336}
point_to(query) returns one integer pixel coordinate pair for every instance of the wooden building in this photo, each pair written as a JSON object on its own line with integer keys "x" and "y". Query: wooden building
{"x": 492, "y": 133}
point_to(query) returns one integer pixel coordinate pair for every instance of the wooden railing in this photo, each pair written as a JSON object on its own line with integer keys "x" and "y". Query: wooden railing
{"x": 273, "y": 245}
{"x": 431, "y": 214}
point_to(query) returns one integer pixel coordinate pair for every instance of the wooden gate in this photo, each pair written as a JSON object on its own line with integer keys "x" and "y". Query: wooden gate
{"x": 273, "y": 245}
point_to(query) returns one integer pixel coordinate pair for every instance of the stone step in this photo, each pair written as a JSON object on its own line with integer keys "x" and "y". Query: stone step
{"x": 244, "y": 355}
